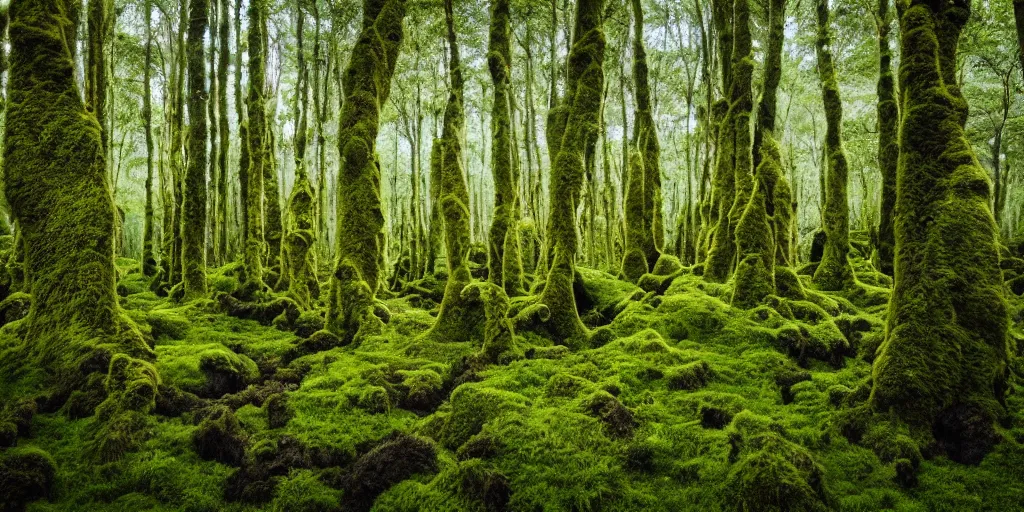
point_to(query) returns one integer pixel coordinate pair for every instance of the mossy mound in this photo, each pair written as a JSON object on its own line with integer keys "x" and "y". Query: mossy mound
{"x": 26, "y": 474}
{"x": 209, "y": 370}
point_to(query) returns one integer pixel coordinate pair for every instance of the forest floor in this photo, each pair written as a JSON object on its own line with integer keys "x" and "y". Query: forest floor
{"x": 694, "y": 405}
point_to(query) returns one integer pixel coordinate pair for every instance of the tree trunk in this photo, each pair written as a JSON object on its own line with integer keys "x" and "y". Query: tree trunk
{"x": 834, "y": 272}
{"x": 60, "y": 195}
{"x": 148, "y": 257}
{"x": 259, "y": 146}
{"x": 582, "y": 109}
{"x": 944, "y": 358}
{"x": 193, "y": 221}
{"x": 225, "y": 134}
{"x": 645, "y": 138}
{"x": 888, "y": 140}
{"x": 504, "y": 252}
{"x": 734, "y": 172}
{"x": 301, "y": 277}
{"x": 360, "y": 220}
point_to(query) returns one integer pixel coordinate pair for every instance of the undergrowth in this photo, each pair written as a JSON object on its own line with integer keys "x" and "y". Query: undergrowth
{"x": 692, "y": 405}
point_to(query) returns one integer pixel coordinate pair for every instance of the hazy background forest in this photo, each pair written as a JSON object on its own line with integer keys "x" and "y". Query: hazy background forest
{"x": 987, "y": 62}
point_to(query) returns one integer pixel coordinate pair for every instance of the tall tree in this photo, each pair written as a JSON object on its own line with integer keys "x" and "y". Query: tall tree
{"x": 582, "y": 109}
{"x": 768, "y": 104}
{"x": 259, "y": 147}
{"x": 148, "y": 256}
{"x": 193, "y": 219}
{"x": 505, "y": 267}
{"x": 888, "y": 139}
{"x": 834, "y": 272}
{"x": 59, "y": 192}
{"x": 224, "y": 132}
{"x": 456, "y": 321}
{"x": 301, "y": 277}
{"x": 944, "y": 358}
{"x": 360, "y": 219}
{"x": 733, "y": 170}
{"x": 644, "y": 231}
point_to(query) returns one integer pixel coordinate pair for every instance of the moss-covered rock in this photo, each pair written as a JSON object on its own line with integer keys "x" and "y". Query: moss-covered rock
{"x": 770, "y": 472}
{"x": 395, "y": 458}
{"x": 26, "y": 475}
{"x": 219, "y": 437}
{"x": 207, "y": 370}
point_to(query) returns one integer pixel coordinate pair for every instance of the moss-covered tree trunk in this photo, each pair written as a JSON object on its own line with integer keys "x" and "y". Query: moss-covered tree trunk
{"x": 888, "y": 140}
{"x": 301, "y": 277}
{"x": 58, "y": 189}
{"x": 193, "y": 219}
{"x": 834, "y": 272}
{"x": 505, "y": 267}
{"x": 172, "y": 248}
{"x": 367, "y": 85}
{"x": 733, "y": 168}
{"x": 96, "y": 79}
{"x": 634, "y": 261}
{"x": 645, "y": 137}
{"x": 767, "y": 106}
{"x": 259, "y": 147}
{"x": 944, "y": 358}
{"x": 456, "y": 321}
{"x": 582, "y": 107}
{"x": 755, "y": 242}
{"x": 148, "y": 256}
{"x": 224, "y": 132}
{"x": 243, "y": 129}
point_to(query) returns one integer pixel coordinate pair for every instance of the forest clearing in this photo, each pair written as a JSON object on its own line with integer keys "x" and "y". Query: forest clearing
{"x": 522, "y": 255}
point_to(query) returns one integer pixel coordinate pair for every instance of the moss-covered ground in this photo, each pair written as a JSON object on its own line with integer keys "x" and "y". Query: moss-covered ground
{"x": 692, "y": 405}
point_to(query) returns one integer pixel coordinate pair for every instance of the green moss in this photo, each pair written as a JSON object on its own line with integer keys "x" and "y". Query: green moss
{"x": 208, "y": 370}
{"x": 26, "y": 474}
{"x": 168, "y": 323}
{"x": 367, "y": 86}
{"x": 472, "y": 407}
{"x": 946, "y": 336}
{"x": 690, "y": 376}
{"x": 303, "y": 491}
{"x": 834, "y": 272}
